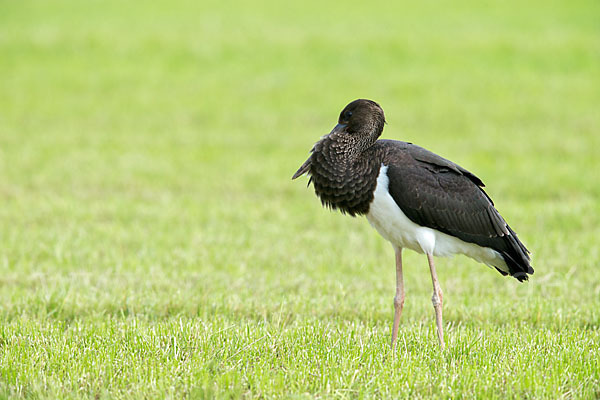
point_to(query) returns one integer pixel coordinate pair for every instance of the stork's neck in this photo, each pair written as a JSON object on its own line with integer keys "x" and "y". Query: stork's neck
{"x": 346, "y": 147}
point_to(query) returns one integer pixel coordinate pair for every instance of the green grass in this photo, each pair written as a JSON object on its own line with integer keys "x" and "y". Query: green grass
{"x": 153, "y": 245}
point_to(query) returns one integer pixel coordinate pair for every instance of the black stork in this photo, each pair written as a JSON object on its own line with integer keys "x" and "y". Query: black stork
{"x": 414, "y": 198}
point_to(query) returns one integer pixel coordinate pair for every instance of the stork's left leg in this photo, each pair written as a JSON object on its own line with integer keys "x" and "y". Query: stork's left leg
{"x": 399, "y": 298}
{"x": 436, "y": 299}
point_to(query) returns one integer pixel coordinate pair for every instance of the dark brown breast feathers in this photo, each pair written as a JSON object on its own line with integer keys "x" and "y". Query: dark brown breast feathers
{"x": 343, "y": 180}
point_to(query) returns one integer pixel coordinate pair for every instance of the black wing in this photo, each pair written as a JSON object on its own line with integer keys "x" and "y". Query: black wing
{"x": 439, "y": 194}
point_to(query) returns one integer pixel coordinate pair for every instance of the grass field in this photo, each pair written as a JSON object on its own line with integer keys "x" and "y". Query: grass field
{"x": 153, "y": 245}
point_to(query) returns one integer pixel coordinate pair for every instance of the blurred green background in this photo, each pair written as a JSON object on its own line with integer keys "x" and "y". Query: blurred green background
{"x": 146, "y": 150}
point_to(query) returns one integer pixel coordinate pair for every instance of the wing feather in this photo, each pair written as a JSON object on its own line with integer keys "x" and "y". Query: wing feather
{"x": 439, "y": 194}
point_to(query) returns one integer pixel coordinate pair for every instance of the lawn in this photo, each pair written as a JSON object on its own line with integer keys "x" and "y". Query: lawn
{"x": 152, "y": 244}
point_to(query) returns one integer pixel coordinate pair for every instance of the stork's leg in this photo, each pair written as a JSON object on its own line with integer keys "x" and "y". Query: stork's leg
{"x": 436, "y": 299}
{"x": 399, "y": 298}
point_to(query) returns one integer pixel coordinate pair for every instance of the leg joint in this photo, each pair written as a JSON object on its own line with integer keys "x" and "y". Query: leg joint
{"x": 436, "y": 299}
{"x": 399, "y": 301}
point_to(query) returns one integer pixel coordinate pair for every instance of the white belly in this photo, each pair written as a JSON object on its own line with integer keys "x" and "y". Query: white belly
{"x": 391, "y": 223}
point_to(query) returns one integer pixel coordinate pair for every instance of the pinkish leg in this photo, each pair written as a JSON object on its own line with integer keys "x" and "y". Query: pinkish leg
{"x": 399, "y": 298}
{"x": 436, "y": 299}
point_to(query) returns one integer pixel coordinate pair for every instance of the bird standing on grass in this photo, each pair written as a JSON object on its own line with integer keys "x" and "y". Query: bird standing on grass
{"x": 414, "y": 198}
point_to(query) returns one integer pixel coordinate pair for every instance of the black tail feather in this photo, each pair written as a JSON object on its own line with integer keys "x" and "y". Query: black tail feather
{"x": 517, "y": 257}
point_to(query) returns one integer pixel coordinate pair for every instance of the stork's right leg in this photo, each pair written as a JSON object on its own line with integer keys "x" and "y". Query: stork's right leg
{"x": 436, "y": 299}
{"x": 399, "y": 298}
